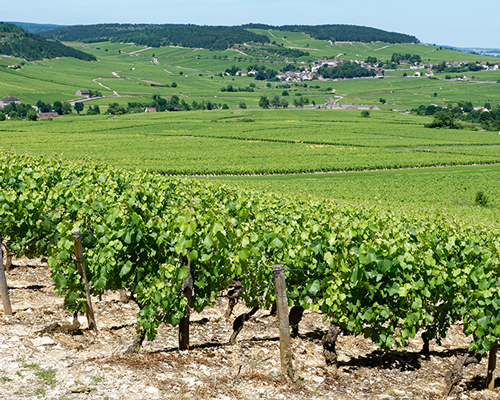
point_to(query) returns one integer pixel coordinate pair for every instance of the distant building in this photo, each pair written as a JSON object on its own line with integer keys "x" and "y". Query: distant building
{"x": 48, "y": 115}
{"x": 332, "y": 105}
{"x": 7, "y": 100}
{"x": 83, "y": 92}
{"x": 152, "y": 110}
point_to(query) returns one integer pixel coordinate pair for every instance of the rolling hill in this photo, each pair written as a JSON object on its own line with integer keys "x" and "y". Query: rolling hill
{"x": 16, "y": 42}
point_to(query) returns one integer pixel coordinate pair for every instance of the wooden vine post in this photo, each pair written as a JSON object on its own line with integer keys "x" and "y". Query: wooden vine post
{"x": 80, "y": 264}
{"x": 4, "y": 291}
{"x": 492, "y": 363}
{"x": 284, "y": 327}
{"x": 186, "y": 291}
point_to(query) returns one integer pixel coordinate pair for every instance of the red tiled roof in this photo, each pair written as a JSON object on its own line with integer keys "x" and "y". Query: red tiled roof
{"x": 48, "y": 115}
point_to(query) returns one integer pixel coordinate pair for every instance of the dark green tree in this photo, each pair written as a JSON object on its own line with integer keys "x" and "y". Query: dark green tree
{"x": 443, "y": 119}
{"x": 275, "y": 101}
{"x": 13, "y": 115}
{"x": 66, "y": 107}
{"x": 32, "y": 115}
{"x": 57, "y": 107}
{"x": 42, "y": 107}
{"x": 299, "y": 103}
{"x": 242, "y": 105}
{"x": 79, "y": 107}
{"x": 2, "y": 116}
{"x": 264, "y": 102}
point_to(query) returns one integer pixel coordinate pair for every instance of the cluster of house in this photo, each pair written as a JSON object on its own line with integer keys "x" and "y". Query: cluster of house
{"x": 332, "y": 104}
{"x": 307, "y": 74}
{"x": 11, "y": 99}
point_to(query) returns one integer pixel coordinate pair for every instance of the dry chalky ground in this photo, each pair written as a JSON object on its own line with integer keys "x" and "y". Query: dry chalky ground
{"x": 86, "y": 365}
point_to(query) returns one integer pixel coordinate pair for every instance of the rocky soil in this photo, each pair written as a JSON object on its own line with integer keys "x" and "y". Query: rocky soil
{"x": 86, "y": 365}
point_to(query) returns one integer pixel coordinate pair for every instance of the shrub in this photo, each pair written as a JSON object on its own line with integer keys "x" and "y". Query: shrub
{"x": 365, "y": 114}
{"x": 481, "y": 199}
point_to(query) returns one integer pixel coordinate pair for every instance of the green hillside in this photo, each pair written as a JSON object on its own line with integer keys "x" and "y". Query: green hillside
{"x": 344, "y": 33}
{"x": 16, "y": 42}
{"x": 208, "y": 37}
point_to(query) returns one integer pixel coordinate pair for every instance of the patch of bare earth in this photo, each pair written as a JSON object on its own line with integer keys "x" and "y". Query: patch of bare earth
{"x": 85, "y": 365}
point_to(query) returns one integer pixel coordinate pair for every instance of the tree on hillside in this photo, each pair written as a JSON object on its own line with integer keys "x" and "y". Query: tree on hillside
{"x": 276, "y": 102}
{"x": 443, "y": 119}
{"x": 13, "y": 115}
{"x": 42, "y": 107}
{"x": 264, "y": 102}
{"x": 32, "y": 115}
{"x": 2, "y": 116}
{"x": 66, "y": 107}
{"x": 57, "y": 107}
{"x": 78, "y": 107}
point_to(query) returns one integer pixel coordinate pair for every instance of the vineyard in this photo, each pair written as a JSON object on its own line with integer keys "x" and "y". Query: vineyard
{"x": 377, "y": 274}
{"x": 253, "y": 142}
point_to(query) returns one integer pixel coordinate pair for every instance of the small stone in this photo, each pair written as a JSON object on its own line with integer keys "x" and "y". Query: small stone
{"x": 80, "y": 389}
{"x": 152, "y": 390}
{"x": 274, "y": 372}
{"x": 318, "y": 379}
{"x": 189, "y": 381}
{"x": 43, "y": 341}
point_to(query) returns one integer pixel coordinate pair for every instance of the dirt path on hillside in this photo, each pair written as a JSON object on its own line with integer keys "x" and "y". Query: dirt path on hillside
{"x": 138, "y": 51}
{"x": 87, "y": 365}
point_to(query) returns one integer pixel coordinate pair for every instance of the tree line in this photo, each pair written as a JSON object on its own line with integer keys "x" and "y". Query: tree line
{"x": 451, "y": 116}
{"x": 208, "y": 37}
{"x": 342, "y": 33}
{"x": 345, "y": 70}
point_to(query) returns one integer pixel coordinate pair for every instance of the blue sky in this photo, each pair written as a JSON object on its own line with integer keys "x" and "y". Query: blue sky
{"x": 446, "y": 22}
